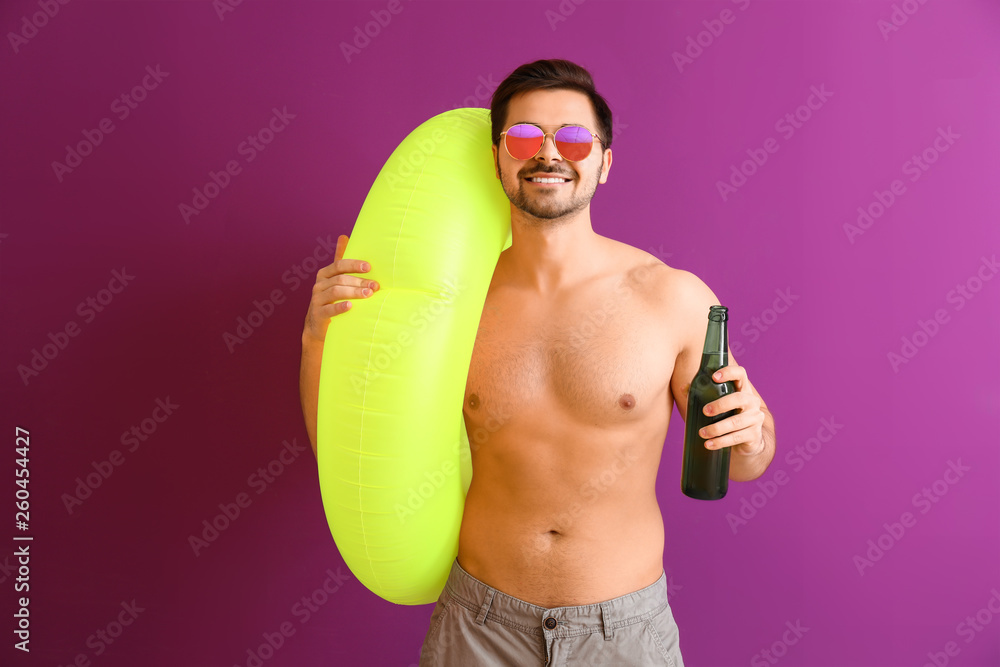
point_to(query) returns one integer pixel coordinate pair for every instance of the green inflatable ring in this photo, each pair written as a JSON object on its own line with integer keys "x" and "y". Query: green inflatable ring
{"x": 392, "y": 448}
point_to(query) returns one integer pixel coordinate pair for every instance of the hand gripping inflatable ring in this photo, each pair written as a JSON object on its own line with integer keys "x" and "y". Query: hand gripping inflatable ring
{"x": 392, "y": 448}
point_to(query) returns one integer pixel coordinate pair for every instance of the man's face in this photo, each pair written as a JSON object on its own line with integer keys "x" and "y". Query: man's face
{"x": 551, "y": 109}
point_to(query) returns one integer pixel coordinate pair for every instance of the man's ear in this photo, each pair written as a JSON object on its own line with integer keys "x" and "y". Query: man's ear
{"x": 496, "y": 162}
{"x": 605, "y": 166}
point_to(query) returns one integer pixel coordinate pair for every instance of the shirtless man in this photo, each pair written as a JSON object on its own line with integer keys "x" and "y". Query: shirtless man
{"x": 584, "y": 346}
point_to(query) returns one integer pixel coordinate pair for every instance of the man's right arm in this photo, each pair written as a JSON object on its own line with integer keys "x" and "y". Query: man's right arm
{"x": 312, "y": 354}
{"x": 334, "y": 285}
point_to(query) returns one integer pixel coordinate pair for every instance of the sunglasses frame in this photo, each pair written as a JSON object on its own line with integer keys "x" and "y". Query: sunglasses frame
{"x": 545, "y": 134}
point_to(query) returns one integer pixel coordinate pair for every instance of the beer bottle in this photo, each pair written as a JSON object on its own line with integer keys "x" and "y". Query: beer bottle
{"x": 705, "y": 472}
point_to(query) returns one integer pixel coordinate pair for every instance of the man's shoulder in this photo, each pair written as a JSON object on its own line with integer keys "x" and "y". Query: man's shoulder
{"x": 662, "y": 283}
{"x": 637, "y": 266}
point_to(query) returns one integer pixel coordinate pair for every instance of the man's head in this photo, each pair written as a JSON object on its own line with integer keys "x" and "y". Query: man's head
{"x": 550, "y": 94}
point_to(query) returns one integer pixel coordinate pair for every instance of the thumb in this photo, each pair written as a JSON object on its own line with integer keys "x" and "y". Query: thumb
{"x": 341, "y": 246}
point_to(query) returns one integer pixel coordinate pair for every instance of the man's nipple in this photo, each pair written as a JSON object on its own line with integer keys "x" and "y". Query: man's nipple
{"x": 473, "y": 401}
{"x": 627, "y": 401}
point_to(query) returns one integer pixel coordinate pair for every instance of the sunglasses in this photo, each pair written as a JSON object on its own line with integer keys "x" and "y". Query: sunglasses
{"x": 524, "y": 140}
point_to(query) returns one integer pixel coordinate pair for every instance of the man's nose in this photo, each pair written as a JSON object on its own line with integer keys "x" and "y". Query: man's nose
{"x": 548, "y": 150}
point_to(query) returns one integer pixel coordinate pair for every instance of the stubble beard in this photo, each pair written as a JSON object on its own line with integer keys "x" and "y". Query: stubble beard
{"x": 550, "y": 208}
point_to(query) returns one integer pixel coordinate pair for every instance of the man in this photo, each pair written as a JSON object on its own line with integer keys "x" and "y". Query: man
{"x": 584, "y": 346}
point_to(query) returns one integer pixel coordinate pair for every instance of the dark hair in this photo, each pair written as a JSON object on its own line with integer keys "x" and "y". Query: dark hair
{"x": 549, "y": 75}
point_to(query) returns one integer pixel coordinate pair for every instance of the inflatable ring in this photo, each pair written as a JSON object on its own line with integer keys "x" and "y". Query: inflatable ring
{"x": 392, "y": 448}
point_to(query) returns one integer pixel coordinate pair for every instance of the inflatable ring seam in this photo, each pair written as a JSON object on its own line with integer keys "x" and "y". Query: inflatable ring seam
{"x": 371, "y": 350}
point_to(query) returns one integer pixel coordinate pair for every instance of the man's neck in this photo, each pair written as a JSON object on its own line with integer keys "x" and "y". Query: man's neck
{"x": 547, "y": 256}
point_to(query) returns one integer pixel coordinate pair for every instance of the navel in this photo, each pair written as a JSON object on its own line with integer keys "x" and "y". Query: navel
{"x": 473, "y": 401}
{"x": 627, "y": 401}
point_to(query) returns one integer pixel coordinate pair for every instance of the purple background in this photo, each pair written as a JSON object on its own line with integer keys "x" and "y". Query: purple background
{"x": 678, "y": 133}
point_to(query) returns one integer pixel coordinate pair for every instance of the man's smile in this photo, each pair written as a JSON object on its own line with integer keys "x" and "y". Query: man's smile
{"x": 548, "y": 180}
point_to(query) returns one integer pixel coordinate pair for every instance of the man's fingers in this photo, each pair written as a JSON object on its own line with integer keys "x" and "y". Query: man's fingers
{"x": 730, "y": 373}
{"x": 351, "y": 265}
{"x": 341, "y": 247}
{"x": 341, "y": 266}
{"x": 730, "y": 439}
{"x": 740, "y": 423}
{"x": 737, "y": 401}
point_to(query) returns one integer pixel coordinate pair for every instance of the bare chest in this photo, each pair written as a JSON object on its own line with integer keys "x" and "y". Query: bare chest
{"x": 598, "y": 359}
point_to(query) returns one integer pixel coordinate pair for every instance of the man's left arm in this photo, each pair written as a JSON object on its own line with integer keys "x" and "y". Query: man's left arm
{"x": 750, "y": 432}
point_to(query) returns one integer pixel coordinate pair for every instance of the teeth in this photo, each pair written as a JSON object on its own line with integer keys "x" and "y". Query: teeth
{"x": 548, "y": 180}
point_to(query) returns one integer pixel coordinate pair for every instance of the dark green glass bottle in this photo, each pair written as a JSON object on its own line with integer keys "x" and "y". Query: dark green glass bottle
{"x": 705, "y": 472}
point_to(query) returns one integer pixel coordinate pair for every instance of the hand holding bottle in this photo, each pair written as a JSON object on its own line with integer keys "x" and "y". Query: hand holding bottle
{"x": 744, "y": 430}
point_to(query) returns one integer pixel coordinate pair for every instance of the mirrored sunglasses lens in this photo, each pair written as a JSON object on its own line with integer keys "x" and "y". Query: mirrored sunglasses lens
{"x": 523, "y": 141}
{"x": 574, "y": 142}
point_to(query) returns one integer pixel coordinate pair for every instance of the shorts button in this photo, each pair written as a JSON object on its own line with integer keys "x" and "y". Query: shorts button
{"x": 550, "y": 622}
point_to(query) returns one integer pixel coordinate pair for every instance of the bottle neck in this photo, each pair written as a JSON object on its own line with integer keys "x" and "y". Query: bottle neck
{"x": 715, "y": 354}
{"x": 713, "y": 362}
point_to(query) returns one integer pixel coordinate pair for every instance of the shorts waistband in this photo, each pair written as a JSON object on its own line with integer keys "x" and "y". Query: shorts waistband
{"x": 493, "y": 605}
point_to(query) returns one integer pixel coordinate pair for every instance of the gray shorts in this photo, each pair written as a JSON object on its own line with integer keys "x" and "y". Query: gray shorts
{"x": 474, "y": 624}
